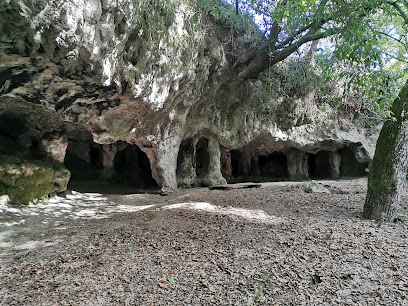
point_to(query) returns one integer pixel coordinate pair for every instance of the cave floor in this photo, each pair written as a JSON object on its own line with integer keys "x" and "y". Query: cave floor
{"x": 274, "y": 245}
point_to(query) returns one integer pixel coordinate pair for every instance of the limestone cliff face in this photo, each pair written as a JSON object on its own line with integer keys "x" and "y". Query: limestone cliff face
{"x": 156, "y": 75}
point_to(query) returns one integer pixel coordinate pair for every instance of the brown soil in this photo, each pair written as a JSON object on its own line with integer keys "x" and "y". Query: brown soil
{"x": 316, "y": 251}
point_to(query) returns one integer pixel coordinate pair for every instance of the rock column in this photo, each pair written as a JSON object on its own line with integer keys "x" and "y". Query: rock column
{"x": 108, "y": 157}
{"x": 185, "y": 164}
{"x": 297, "y": 165}
{"x": 335, "y": 162}
{"x": 214, "y": 176}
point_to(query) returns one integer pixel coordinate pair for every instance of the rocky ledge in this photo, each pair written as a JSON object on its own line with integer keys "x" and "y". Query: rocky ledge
{"x": 145, "y": 93}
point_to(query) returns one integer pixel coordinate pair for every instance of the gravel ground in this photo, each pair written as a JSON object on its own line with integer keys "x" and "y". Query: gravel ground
{"x": 299, "y": 249}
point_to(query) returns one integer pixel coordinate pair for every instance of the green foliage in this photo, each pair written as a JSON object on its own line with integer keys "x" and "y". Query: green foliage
{"x": 155, "y": 17}
{"x": 402, "y": 216}
{"x": 371, "y": 122}
{"x": 258, "y": 289}
{"x": 367, "y": 59}
{"x": 297, "y": 77}
{"x": 363, "y": 50}
{"x": 242, "y": 23}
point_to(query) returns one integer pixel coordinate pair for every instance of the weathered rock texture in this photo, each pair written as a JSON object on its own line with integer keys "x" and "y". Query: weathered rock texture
{"x": 32, "y": 148}
{"x": 147, "y": 89}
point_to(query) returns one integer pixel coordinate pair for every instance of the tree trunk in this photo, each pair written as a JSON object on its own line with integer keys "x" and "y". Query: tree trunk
{"x": 388, "y": 172}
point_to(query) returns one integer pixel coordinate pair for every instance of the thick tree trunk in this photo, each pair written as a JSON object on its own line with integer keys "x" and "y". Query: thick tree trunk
{"x": 388, "y": 172}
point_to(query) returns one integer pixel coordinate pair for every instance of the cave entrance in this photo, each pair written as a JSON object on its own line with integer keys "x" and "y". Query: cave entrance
{"x": 14, "y": 132}
{"x": 202, "y": 161}
{"x": 319, "y": 165}
{"x": 133, "y": 168}
{"x": 185, "y": 171}
{"x": 12, "y": 126}
{"x": 274, "y": 166}
{"x": 185, "y": 156}
{"x": 84, "y": 160}
{"x": 349, "y": 166}
{"x": 237, "y": 163}
{"x": 118, "y": 168}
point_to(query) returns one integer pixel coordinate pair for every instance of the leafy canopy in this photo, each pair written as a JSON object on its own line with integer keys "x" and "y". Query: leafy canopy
{"x": 363, "y": 44}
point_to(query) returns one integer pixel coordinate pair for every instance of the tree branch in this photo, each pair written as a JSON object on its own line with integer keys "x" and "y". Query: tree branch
{"x": 273, "y": 52}
{"x": 395, "y": 57}
{"x": 258, "y": 11}
{"x": 400, "y": 10}
{"x": 392, "y": 37}
{"x": 273, "y": 36}
{"x": 301, "y": 30}
{"x": 293, "y": 47}
{"x": 262, "y": 60}
{"x": 316, "y": 23}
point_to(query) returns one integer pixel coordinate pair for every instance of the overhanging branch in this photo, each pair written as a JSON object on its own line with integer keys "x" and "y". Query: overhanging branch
{"x": 400, "y": 10}
{"x": 263, "y": 60}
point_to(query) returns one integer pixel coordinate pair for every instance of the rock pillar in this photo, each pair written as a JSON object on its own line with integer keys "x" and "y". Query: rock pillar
{"x": 226, "y": 166}
{"x": 297, "y": 165}
{"x": 335, "y": 162}
{"x": 214, "y": 176}
{"x": 167, "y": 151}
{"x": 108, "y": 156}
{"x": 185, "y": 164}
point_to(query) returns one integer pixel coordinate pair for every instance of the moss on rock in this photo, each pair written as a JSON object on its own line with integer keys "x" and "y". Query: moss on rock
{"x": 26, "y": 181}
{"x": 25, "y": 174}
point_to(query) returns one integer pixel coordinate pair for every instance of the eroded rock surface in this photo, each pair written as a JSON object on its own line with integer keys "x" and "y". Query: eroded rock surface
{"x": 122, "y": 87}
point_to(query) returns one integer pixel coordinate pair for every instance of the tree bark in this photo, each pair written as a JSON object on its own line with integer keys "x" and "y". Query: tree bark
{"x": 388, "y": 172}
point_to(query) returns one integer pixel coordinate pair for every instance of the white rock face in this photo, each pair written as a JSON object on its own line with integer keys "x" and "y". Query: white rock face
{"x": 56, "y": 148}
{"x": 103, "y": 33}
{"x": 314, "y": 187}
{"x": 4, "y": 200}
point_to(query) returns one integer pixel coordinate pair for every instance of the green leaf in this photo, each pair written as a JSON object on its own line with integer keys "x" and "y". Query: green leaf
{"x": 207, "y": 298}
{"x": 116, "y": 236}
{"x": 171, "y": 280}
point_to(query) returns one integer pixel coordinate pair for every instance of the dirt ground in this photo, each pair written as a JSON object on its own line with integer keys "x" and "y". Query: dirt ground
{"x": 274, "y": 245}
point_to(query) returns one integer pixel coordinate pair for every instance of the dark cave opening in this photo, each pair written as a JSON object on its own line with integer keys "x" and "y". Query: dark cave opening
{"x": 83, "y": 159}
{"x": 133, "y": 168}
{"x": 274, "y": 166}
{"x": 12, "y": 126}
{"x": 202, "y": 157}
{"x": 35, "y": 148}
{"x": 349, "y": 166}
{"x": 124, "y": 168}
{"x": 237, "y": 163}
{"x": 185, "y": 156}
{"x": 17, "y": 139}
{"x": 95, "y": 155}
{"x": 319, "y": 165}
